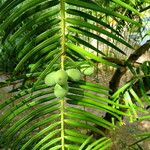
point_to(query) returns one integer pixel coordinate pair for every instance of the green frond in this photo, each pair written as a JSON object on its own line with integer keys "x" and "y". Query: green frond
{"x": 51, "y": 35}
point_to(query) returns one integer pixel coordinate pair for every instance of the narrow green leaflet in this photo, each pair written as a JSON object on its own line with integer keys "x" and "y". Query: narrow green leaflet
{"x": 120, "y": 2}
{"x": 82, "y": 23}
{"x": 87, "y": 54}
{"x": 95, "y": 7}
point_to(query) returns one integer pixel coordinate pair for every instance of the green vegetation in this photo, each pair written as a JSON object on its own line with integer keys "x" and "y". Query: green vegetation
{"x": 55, "y": 55}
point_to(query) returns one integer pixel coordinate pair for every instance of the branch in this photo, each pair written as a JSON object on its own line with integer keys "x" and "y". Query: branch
{"x": 115, "y": 61}
{"x": 115, "y": 80}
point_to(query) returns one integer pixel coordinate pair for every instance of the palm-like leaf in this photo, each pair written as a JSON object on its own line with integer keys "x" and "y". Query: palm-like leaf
{"x": 48, "y": 35}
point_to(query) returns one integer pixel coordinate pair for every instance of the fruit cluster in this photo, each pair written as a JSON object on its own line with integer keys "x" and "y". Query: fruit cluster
{"x": 60, "y": 79}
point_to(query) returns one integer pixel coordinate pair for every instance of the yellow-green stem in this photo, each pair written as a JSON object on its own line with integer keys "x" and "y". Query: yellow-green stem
{"x": 62, "y": 109}
{"x": 63, "y": 26}
{"x": 62, "y": 125}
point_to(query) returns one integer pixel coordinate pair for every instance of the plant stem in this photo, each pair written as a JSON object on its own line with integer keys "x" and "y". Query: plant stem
{"x": 62, "y": 109}
{"x": 62, "y": 124}
{"x": 63, "y": 26}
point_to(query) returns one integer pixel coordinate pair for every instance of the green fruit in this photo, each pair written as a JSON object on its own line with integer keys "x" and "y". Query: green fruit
{"x": 89, "y": 71}
{"x": 50, "y": 79}
{"x": 83, "y": 67}
{"x": 86, "y": 69}
{"x": 60, "y": 91}
{"x": 74, "y": 74}
{"x": 61, "y": 77}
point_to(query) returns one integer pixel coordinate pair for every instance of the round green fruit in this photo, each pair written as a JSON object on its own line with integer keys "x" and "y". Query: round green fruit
{"x": 60, "y": 91}
{"x": 89, "y": 71}
{"x": 61, "y": 77}
{"x": 83, "y": 67}
{"x": 74, "y": 74}
{"x": 50, "y": 79}
{"x": 86, "y": 69}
